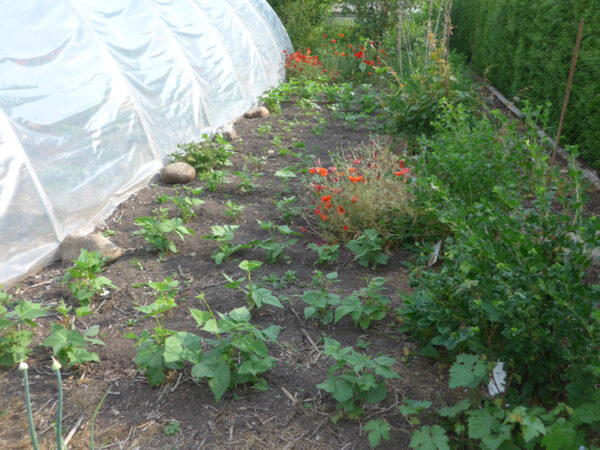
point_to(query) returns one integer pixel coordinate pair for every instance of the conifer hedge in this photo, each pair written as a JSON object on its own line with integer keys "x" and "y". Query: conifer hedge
{"x": 528, "y": 45}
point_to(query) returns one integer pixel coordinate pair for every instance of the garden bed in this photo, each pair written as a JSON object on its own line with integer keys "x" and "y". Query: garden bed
{"x": 182, "y": 413}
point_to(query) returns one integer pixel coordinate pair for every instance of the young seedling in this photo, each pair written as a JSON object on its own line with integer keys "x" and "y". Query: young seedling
{"x": 83, "y": 280}
{"x": 239, "y": 353}
{"x": 156, "y": 231}
{"x": 163, "y": 350}
{"x": 246, "y": 180}
{"x": 233, "y": 210}
{"x": 223, "y": 235}
{"x": 285, "y": 174}
{"x": 14, "y": 338}
{"x": 275, "y": 249}
{"x": 255, "y": 296}
{"x": 321, "y": 302}
{"x": 366, "y": 305}
{"x": 327, "y": 254}
{"x": 214, "y": 179}
{"x": 70, "y": 346}
{"x": 285, "y": 206}
{"x": 368, "y": 250}
{"x": 355, "y": 378}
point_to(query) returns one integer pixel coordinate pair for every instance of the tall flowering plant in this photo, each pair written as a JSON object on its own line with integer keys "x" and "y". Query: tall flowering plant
{"x": 361, "y": 189}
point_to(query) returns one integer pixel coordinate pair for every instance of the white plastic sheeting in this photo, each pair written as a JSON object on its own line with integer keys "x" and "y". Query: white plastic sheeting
{"x": 94, "y": 94}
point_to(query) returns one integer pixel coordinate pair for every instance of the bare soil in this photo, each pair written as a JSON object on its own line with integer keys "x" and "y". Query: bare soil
{"x": 293, "y": 413}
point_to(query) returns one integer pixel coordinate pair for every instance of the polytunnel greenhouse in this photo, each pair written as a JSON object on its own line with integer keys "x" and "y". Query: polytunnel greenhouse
{"x": 94, "y": 94}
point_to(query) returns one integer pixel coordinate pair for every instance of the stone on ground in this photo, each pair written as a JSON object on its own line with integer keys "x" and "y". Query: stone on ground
{"x": 256, "y": 112}
{"x": 178, "y": 173}
{"x": 72, "y": 245}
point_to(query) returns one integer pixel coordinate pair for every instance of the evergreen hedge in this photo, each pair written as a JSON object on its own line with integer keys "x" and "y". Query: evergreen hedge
{"x": 527, "y": 47}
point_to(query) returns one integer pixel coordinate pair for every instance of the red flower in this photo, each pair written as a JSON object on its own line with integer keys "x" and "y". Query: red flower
{"x": 341, "y": 34}
{"x": 303, "y": 229}
{"x": 351, "y": 169}
{"x": 333, "y": 41}
{"x": 354, "y": 199}
{"x": 357, "y": 161}
{"x": 324, "y": 35}
{"x": 355, "y": 179}
{"x": 345, "y": 227}
{"x": 326, "y": 198}
{"x": 324, "y": 217}
{"x": 341, "y": 211}
{"x": 401, "y": 172}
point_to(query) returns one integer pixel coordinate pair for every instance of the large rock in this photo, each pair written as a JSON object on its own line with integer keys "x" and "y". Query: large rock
{"x": 256, "y": 112}
{"x": 178, "y": 173}
{"x": 228, "y": 133}
{"x": 72, "y": 245}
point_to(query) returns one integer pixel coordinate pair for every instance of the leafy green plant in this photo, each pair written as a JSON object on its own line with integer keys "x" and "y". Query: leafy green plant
{"x": 156, "y": 230}
{"x": 287, "y": 279}
{"x": 274, "y": 247}
{"x": 327, "y": 254}
{"x": 172, "y": 428}
{"x": 285, "y": 175}
{"x": 368, "y": 249}
{"x": 366, "y": 305}
{"x": 246, "y": 178}
{"x": 214, "y": 179}
{"x": 355, "y": 379}
{"x": 70, "y": 346}
{"x": 206, "y": 155}
{"x": 264, "y": 129}
{"x": 233, "y": 210}
{"x": 223, "y": 235}
{"x": 14, "y": 318}
{"x": 477, "y": 422}
{"x": 287, "y": 209}
{"x": 186, "y": 202}
{"x": 83, "y": 280}
{"x": 239, "y": 353}
{"x": 321, "y": 302}
{"x": 377, "y": 429}
{"x": 255, "y": 296}
{"x": 164, "y": 349}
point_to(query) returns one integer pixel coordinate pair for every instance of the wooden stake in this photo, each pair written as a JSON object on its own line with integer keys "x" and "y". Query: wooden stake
{"x": 568, "y": 91}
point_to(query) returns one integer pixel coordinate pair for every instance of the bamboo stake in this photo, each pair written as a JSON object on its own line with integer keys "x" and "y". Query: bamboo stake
{"x": 568, "y": 91}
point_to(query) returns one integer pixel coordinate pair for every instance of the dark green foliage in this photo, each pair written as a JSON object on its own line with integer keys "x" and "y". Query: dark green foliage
{"x": 304, "y": 20}
{"x": 526, "y": 48}
{"x": 514, "y": 281}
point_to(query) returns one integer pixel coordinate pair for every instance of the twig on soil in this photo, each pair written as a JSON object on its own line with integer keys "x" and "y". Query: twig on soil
{"x": 290, "y": 396}
{"x": 73, "y": 430}
{"x": 381, "y": 411}
{"x": 231, "y": 433}
{"x": 305, "y": 333}
{"x": 36, "y": 285}
{"x": 177, "y": 383}
{"x": 297, "y": 316}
